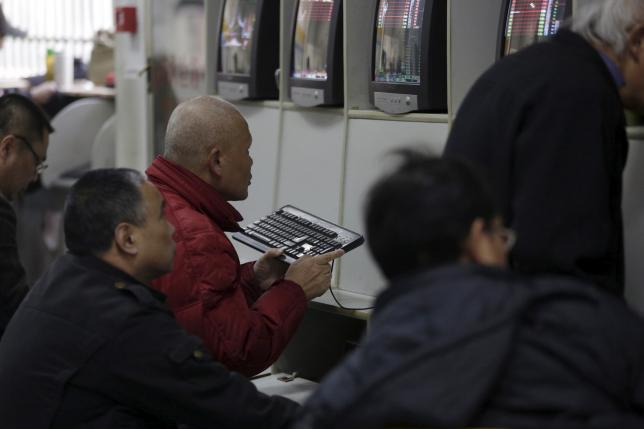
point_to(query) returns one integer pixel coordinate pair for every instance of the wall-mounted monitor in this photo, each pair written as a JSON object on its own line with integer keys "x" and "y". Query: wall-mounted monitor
{"x": 530, "y": 21}
{"x": 248, "y": 50}
{"x": 409, "y": 60}
{"x": 483, "y": 31}
{"x": 316, "y": 59}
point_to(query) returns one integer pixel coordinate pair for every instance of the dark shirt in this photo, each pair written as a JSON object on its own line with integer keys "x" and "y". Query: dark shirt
{"x": 547, "y": 125}
{"x": 474, "y": 346}
{"x": 90, "y": 347}
{"x": 13, "y": 286}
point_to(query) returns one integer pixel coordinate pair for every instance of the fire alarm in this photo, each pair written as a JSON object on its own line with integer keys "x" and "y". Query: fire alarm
{"x": 126, "y": 19}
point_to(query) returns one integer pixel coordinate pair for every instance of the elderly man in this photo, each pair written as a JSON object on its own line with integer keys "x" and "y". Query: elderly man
{"x": 92, "y": 346}
{"x": 458, "y": 341}
{"x": 24, "y": 137}
{"x": 245, "y": 314}
{"x": 547, "y": 123}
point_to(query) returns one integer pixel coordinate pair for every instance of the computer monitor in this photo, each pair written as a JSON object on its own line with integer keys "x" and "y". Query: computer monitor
{"x": 531, "y": 21}
{"x": 248, "y": 50}
{"x": 409, "y": 60}
{"x": 316, "y": 61}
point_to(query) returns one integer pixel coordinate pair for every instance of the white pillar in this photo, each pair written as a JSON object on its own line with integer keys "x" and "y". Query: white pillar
{"x": 133, "y": 113}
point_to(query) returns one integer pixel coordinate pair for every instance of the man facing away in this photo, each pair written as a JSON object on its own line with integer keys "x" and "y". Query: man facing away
{"x": 458, "y": 341}
{"x": 245, "y": 314}
{"x": 24, "y": 138}
{"x": 93, "y": 347}
{"x": 547, "y": 124}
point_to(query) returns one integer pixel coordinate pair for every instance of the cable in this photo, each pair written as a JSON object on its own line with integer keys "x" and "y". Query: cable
{"x": 338, "y": 302}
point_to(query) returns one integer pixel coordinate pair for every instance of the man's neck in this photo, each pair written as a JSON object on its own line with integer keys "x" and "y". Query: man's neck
{"x": 122, "y": 264}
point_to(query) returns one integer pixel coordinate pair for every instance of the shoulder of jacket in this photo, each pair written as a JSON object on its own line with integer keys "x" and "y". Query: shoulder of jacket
{"x": 142, "y": 295}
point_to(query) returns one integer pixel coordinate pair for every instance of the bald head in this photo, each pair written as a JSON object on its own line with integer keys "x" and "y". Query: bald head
{"x": 197, "y": 126}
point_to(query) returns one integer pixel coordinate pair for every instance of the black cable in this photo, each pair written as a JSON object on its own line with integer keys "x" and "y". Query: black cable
{"x": 338, "y": 302}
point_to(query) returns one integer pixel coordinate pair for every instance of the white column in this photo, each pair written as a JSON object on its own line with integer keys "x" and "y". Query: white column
{"x": 133, "y": 113}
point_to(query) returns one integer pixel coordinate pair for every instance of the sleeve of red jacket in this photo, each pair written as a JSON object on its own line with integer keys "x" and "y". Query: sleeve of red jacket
{"x": 248, "y": 283}
{"x": 245, "y": 338}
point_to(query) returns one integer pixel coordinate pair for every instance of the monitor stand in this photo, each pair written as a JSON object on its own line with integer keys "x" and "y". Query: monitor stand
{"x": 232, "y": 90}
{"x": 307, "y": 97}
{"x": 395, "y": 103}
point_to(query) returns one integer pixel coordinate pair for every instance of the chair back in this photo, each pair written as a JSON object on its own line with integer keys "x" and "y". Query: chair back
{"x": 71, "y": 145}
{"x": 104, "y": 147}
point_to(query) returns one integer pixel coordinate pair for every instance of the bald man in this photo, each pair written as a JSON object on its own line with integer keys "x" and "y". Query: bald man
{"x": 245, "y": 314}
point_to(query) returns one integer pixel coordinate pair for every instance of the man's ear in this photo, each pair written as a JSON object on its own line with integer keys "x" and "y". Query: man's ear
{"x": 7, "y": 147}
{"x": 215, "y": 161}
{"x": 475, "y": 244}
{"x": 126, "y": 239}
{"x": 636, "y": 42}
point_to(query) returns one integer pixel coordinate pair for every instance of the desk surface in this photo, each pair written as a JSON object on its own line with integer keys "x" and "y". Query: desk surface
{"x": 298, "y": 389}
{"x": 85, "y": 88}
{"x": 358, "y": 305}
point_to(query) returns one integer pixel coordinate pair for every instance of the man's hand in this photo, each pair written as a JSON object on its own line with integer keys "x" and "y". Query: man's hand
{"x": 313, "y": 273}
{"x": 268, "y": 269}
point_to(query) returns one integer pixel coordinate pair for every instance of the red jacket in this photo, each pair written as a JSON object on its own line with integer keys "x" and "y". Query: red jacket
{"x": 210, "y": 293}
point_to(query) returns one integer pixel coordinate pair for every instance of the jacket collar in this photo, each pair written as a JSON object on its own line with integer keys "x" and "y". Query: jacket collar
{"x": 169, "y": 176}
{"x": 614, "y": 70}
{"x": 445, "y": 275}
{"x": 584, "y": 49}
{"x": 93, "y": 263}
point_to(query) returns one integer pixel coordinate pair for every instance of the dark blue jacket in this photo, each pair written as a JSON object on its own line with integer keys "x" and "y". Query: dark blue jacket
{"x": 92, "y": 348}
{"x": 467, "y": 345}
{"x": 547, "y": 125}
{"x": 13, "y": 286}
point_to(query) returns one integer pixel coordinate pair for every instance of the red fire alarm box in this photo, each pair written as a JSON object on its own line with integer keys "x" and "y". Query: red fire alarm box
{"x": 126, "y": 19}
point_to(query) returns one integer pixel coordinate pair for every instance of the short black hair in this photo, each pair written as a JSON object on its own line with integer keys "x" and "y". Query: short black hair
{"x": 20, "y": 115}
{"x": 420, "y": 215}
{"x": 97, "y": 203}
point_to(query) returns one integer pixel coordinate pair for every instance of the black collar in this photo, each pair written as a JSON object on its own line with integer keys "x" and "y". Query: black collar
{"x": 451, "y": 273}
{"x": 584, "y": 49}
{"x": 94, "y": 263}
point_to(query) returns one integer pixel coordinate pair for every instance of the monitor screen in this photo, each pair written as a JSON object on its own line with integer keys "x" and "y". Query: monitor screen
{"x": 399, "y": 29}
{"x": 530, "y": 21}
{"x": 311, "y": 39}
{"x": 237, "y": 36}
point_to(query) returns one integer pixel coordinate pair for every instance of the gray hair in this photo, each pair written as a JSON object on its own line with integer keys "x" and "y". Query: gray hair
{"x": 607, "y": 21}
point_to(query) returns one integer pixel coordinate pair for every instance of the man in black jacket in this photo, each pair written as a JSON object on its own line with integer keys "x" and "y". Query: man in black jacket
{"x": 547, "y": 124}
{"x": 93, "y": 347}
{"x": 457, "y": 341}
{"x": 24, "y": 137}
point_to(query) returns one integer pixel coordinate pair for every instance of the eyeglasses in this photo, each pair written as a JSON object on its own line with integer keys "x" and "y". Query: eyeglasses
{"x": 40, "y": 163}
{"x": 507, "y": 235}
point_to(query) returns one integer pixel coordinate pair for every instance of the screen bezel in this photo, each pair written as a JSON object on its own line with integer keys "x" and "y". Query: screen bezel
{"x": 259, "y": 86}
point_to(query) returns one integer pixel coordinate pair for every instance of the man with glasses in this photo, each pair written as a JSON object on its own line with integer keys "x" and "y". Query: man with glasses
{"x": 24, "y": 137}
{"x": 457, "y": 340}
